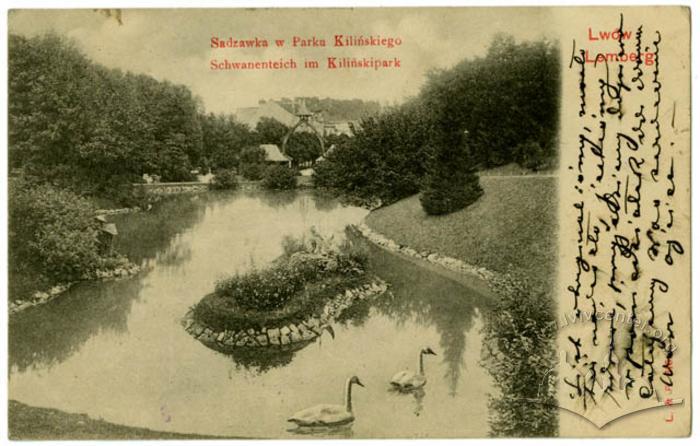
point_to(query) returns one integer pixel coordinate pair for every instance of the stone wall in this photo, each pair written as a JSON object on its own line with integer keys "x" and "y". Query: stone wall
{"x": 287, "y": 336}
{"x": 195, "y": 186}
{"x": 42, "y": 297}
{"x": 172, "y": 188}
{"x": 449, "y": 263}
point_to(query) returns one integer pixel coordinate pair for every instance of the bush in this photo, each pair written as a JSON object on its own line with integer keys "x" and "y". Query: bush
{"x": 305, "y": 261}
{"x": 52, "y": 231}
{"x": 519, "y": 352}
{"x": 253, "y": 171}
{"x": 535, "y": 156}
{"x": 280, "y": 177}
{"x": 445, "y": 194}
{"x": 225, "y": 179}
{"x": 384, "y": 160}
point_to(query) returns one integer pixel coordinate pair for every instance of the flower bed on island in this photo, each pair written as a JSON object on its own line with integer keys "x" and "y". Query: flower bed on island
{"x": 287, "y": 305}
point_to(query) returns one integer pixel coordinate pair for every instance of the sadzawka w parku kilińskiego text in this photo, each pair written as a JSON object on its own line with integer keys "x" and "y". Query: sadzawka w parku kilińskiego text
{"x": 330, "y": 62}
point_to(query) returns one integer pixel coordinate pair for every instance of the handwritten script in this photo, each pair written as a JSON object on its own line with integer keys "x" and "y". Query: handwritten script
{"x": 619, "y": 345}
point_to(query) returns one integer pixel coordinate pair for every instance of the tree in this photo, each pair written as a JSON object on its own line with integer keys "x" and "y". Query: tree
{"x": 91, "y": 129}
{"x": 223, "y": 139}
{"x": 387, "y": 157}
{"x": 507, "y": 100}
{"x": 452, "y": 182}
{"x": 303, "y": 147}
{"x": 252, "y": 155}
{"x": 270, "y": 131}
{"x": 279, "y": 177}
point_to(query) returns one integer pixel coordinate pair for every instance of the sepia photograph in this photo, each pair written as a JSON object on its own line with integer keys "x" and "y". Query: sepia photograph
{"x": 348, "y": 223}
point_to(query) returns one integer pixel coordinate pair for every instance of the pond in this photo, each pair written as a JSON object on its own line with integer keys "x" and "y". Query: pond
{"x": 117, "y": 351}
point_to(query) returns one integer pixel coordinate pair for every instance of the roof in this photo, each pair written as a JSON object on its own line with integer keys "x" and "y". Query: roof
{"x": 302, "y": 110}
{"x": 250, "y": 116}
{"x": 110, "y": 228}
{"x": 273, "y": 153}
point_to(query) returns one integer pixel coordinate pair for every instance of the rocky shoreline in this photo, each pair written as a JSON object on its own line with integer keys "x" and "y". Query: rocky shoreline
{"x": 118, "y": 211}
{"x": 435, "y": 258}
{"x": 42, "y": 297}
{"x": 288, "y": 336}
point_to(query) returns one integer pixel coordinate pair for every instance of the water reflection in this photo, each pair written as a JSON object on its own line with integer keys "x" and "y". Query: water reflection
{"x": 417, "y": 395}
{"x": 344, "y": 431}
{"x": 93, "y": 307}
{"x": 116, "y": 350}
{"x": 279, "y": 199}
{"x": 144, "y": 235}
{"x": 324, "y": 201}
{"x": 259, "y": 360}
{"x": 67, "y": 323}
{"x": 429, "y": 299}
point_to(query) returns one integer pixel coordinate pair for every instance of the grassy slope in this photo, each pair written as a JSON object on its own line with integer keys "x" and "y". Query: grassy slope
{"x": 512, "y": 227}
{"x": 34, "y": 423}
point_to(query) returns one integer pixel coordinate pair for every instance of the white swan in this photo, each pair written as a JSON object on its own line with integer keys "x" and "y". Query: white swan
{"x": 406, "y": 380}
{"x": 328, "y": 414}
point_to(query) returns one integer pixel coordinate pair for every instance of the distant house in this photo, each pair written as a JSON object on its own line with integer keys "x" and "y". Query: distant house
{"x": 251, "y": 116}
{"x": 338, "y": 128}
{"x": 273, "y": 155}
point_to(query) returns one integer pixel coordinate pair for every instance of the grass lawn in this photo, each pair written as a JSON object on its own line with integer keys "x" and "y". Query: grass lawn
{"x": 36, "y": 423}
{"x": 512, "y": 227}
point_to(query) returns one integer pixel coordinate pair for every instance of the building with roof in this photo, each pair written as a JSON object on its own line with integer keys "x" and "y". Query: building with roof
{"x": 273, "y": 155}
{"x": 251, "y": 116}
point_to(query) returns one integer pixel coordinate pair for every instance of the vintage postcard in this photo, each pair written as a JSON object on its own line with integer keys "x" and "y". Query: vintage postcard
{"x": 457, "y": 222}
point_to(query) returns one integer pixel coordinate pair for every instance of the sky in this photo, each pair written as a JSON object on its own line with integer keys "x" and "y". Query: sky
{"x": 175, "y": 44}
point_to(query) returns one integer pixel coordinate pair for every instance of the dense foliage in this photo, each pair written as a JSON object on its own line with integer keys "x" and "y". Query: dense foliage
{"x": 304, "y": 262}
{"x": 482, "y": 113}
{"x": 252, "y": 171}
{"x": 519, "y": 352}
{"x": 53, "y": 233}
{"x": 507, "y": 101}
{"x": 225, "y": 179}
{"x": 223, "y": 141}
{"x": 279, "y": 178}
{"x": 387, "y": 157}
{"x": 81, "y": 125}
{"x": 444, "y": 193}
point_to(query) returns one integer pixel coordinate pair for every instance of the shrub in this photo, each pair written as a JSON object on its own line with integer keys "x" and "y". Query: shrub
{"x": 280, "y": 177}
{"x": 445, "y": 194}
{"x": 225, "y": 179}
{"x": 52, "y": 231}
{"x": 252, "y": 155}
{"x": 305, "y": 261}
{"x": 253, "y": 171}
{"x": 519, "y": 352}
{"x": 269, "y": 289}
{"x": 535, "y": 156}
{"x": 385, "y": 159}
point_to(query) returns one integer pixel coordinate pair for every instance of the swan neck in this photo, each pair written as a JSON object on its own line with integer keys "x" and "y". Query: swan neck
{"x": 420, "y": 363}
{"x": 348, "y": 396}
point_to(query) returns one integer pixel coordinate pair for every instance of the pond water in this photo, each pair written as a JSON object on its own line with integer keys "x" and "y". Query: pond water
{"x": 117, "y": 351}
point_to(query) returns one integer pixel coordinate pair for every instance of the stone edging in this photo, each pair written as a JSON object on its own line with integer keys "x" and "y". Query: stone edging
{"x": 42, "y": 297}
{"x": 117, "y": 211}
{"x": 287, "y": 335}
{"x": 449, "y": 263}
